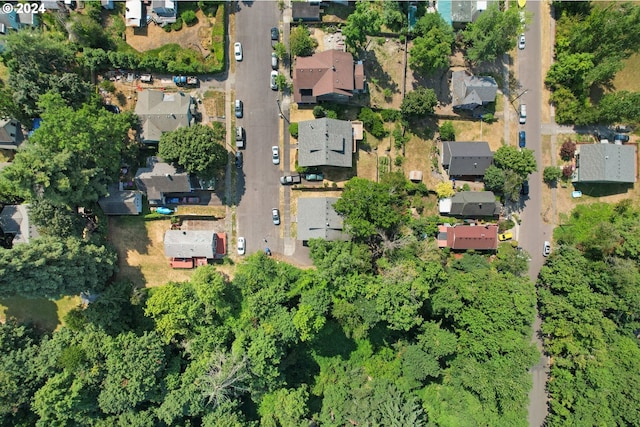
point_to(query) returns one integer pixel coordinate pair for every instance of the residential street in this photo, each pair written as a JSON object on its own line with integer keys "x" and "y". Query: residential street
{"x": 533, "y": 231}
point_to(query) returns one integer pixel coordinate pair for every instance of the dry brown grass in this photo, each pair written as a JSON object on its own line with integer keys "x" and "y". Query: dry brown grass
{"x": 213, "y": 211}
{"x": 140, "y": 248}
{"x": 546, "y": 57}
{"x": 213, "y": 102}
{"x": 467, "y": 130}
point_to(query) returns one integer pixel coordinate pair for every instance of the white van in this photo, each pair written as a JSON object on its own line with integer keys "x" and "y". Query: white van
{"x": 523, "y": 114}
{"x": 239, "y": 137}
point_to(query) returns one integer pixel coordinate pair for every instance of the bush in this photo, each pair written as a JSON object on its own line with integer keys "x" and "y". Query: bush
{"x": 466, "y": 187}
{"x": 505, "y": 225}
{"x": 189, "y": 17}
{"x": 372, "y": 122}
{"x": 108, "y": 85}
{"x": 177, "y": 26}
{"x": 387, "y": 94}
{"x": 567, "y": 171}
{"x": 318, "y": 112}
{"x": 390, "y": 115}
{"x": 551, "y": 174}
{"x": 568, "y": 150}
{"x": 447, "y": 131}
{"x": 399, "y": 161}
{"x": 293, "y": 129}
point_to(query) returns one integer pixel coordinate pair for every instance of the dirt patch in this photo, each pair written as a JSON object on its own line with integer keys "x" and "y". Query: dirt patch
{"x": 152, "y": 36}
{"x": 140, "y": 248}
{"x": 213, "y": 102}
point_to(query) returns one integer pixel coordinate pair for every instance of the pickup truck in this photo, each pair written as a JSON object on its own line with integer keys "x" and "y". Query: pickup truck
{"x": 185, "y": 80}
{"x": 290, "y": 179}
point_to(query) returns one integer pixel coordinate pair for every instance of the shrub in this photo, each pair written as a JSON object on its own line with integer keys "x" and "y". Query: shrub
{"x": 399, "y": 161}
{"x": 505, "y": 225}
{"x": 551, "y": 174}
{"x": 293, "y": 129}
{"x": 318, "y": 112}
{"x": 331, "y": 114}
{"x": 567, "y": 171}
{"x": 488, "y": 118}
{"x": 466, "y": 187}
{"x": 387, "y": 94}
{"x": 447, "y": 131}
{"x": 108, "y": 86}
{"x": 568, "y": 150}
{"x": 372, "y": 122}
{"x": 189, "y": 17}
{"x": 390, "y": 115}
{"x": 177, "y": 26}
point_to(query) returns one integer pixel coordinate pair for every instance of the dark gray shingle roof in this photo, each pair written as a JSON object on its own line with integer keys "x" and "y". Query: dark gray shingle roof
{"x": 325, "y": 142}
{"x": 318, "y": 219}
{"x": 159, "y": 178}
{"x": 466, "y": 158}
{"x": 472, "y": 91}
{"x": 121, "y": 202}
{"x": 474, "y": 204}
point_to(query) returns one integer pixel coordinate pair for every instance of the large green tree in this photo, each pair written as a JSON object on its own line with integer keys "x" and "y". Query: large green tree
{"x": 418, "y": 103}
{"x": 50, "y": 267}
{"x": 198, "y": 148}
{"x": 432, "y": 46}
{"x": 300, "y": 42}
{"x": 521, "y": 162}
{"x": 363, "y": 21}
{"x": 493, "y": 34}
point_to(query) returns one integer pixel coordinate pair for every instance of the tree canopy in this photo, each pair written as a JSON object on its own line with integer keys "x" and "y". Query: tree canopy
{"x": 363, "y": 21}
{"x": 432, "y": 46}
{"x": 418, "y": 103}
{"x": 199, "y": 149}
{"x": 493, "y": 33}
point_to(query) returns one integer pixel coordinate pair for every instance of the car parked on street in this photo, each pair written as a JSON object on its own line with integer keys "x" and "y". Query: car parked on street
{"x": 238, "y": 108}
{"x": 290, "y": 179}
{"x": 274, "y": 61}
{"x": 273, "y": 83}
{"x": 275, "y": 216}
{"x": 241, "y": 246}
{"x": 238, "y": 159}
{"x": 523, "y": 114}
{"x": 237, "y": 51}
{"x": 546, "y": 248}
{"x": 275, "y": 155}
{"x": 239, "y": 137}
{"x": 522, "y": 139}
{"x": 525, "y": 188}
{"x": 275, "y": 34}
{"x": 521, "y": 42}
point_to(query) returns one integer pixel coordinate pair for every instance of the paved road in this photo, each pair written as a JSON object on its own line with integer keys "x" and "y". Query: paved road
{"x": 534, "y": 231}
{"x": 258, "y": 188}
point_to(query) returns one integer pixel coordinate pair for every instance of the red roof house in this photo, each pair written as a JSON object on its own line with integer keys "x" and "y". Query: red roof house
{"x": 478, "y": 237}
{"x": 327, "y": 76}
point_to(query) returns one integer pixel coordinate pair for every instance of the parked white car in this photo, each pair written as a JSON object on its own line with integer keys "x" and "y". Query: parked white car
{"x": 275, "y": 155}
{"x": 237, "y": 51}
{"x": 521, "y": 42}
{"x": 273, "y": 82}
{"x": 241, "y": 246}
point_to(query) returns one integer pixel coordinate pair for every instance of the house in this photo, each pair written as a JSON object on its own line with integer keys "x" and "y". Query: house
{"x": 11, "y": 136}
{"x": 325, "y": 142}
{"x": 159, "y": 178}
{"x": 468, "y": 237}
{"x": 459, "y": 13}
{"x": 469, "y": 92}
{"x": 305, "y": 11}
{"x": 164, "y": 12}
{"x": 318, "y": 219}
{"x": 14, "y": 220}
{"x": 161, "y": 112}
{"x": 189, "y": 248}
{"x": 471, "y": 204}
{"x": 606, "y": 163}
{"x": 327, "y": 76}
{"x": 462, "y": 159}
{"x": 121, "y": 202}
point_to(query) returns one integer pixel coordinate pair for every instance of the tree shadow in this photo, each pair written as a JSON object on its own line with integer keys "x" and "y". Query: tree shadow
{"x": 440, "y": 82}
{"x": 376, "y": 74}
{"x": 42, "y": 313}
{"x": 331, "y": 341}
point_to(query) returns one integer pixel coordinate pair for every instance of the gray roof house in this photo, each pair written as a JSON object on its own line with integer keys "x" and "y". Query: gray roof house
{"x": 469, "y": 91}
{"x": 190, "y": 244}
{"x": 466, "y": 158}
{"x": 159, "y": 178}
{"x": 606, "y": 163}
{"x": 14, "y": 219}
{"x": 161, "y": 112}
{"x": 318, "y": 219}
{"x": 121, "y": 202}
{"x": 11, "y": 135}
{"x": 325, "y": 142}
{"x": 164, "y": 12}
{"x": 471, "y": 204}
{"x": 305, "y": 11}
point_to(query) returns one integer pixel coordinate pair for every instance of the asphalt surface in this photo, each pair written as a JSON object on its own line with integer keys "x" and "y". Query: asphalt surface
{"x": 258, "y": 187}
{"x": 534, "y": 231}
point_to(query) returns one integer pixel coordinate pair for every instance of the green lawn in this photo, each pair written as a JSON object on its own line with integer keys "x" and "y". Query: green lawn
{"x": 44, "y": 313}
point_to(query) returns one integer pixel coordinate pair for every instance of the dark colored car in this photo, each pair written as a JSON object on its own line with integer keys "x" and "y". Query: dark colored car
{"x": 238, "y": 159}
{"x": 275, "y": 34}
{"x": 522, "y": 139}
{"x": 112, "y": 108}
{"x": 621, "y": 137}
{"x": 525, "y": 188}
{"x": 314, "y": 177}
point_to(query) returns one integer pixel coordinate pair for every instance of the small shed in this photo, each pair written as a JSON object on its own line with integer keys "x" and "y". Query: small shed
{"x": 415, "y": 176}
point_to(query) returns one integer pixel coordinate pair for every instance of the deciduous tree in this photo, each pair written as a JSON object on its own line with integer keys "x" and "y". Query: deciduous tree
{"x": 418, "y": 103}
{"x": 363, "y": 21}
